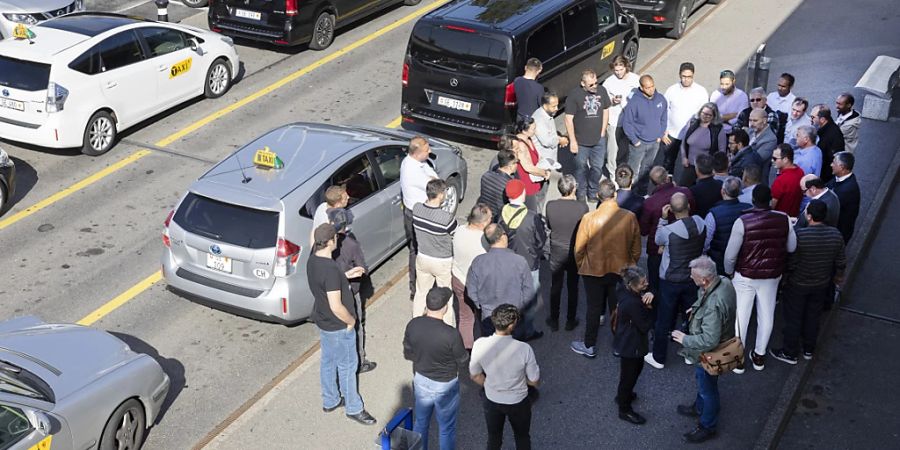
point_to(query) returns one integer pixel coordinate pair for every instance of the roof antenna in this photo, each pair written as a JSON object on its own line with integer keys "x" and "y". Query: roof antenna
{"x": 245, "y": 179}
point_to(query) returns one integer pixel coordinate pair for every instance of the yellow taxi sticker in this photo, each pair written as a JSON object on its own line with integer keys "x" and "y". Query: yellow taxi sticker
{"x": 267, "y": 158}
{"x": 43, "y": 445}
{"x": 180, "y": 68}
{"x": 22, "y": 32}
{"x": 608, "y": 49}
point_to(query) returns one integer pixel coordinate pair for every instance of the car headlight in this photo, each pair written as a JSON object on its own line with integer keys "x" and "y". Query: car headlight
{"x": 4, "y": 158}
{"x": 27, "y": 19}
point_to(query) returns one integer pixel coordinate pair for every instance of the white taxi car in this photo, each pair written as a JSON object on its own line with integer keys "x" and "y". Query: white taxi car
{"x": 80, "y": 79}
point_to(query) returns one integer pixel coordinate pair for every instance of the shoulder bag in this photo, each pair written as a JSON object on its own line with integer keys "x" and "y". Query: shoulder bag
{"x": 726, "y": 356}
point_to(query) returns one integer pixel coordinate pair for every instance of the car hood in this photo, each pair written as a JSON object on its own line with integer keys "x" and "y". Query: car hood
{"x": 79, "y": 354}
{"x": 32, "y": 6}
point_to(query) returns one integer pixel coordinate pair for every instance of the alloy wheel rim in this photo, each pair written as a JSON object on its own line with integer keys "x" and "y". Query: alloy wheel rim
{"x": 450, "y": 201}
{"x": 101, "y": 133}
{"x": 218, "y": 79}
{"x": 684, "y": 18}
{"x": 323, "y": 30}
{"x": 126, "y": 433}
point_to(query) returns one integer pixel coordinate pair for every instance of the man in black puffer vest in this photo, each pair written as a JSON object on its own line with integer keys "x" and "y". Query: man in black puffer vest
{"x": 721, "y": 218}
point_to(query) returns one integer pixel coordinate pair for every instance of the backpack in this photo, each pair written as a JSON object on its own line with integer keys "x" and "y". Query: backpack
{"x": 511, "y": 232}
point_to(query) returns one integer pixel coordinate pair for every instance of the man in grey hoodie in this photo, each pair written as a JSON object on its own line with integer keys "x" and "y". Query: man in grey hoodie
{"x": 644, "y": 122}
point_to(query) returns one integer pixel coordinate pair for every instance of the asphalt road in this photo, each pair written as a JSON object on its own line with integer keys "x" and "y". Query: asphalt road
{"x": 73, "y": 256}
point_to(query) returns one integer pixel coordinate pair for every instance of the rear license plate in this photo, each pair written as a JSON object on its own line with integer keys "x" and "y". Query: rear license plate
{"x": 247, "y": 14}
{"x": 12, "y": 104}
{"x": 220, "y": 263}
{"x": 454, "y": 104}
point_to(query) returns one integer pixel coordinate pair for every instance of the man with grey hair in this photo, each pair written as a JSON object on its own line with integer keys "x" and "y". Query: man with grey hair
{"x": 844, "y": 185}
{"x": 563, "y": 217}
{"x": 762, "y": 140}
{"x": 721, "y": 218}
{"x": 814, "y": 189}
{"x": 775, "y": 119}
{"x": 682, "y": 241}
{"x": 712, "y": 322}
{"x": 807, "y": 155}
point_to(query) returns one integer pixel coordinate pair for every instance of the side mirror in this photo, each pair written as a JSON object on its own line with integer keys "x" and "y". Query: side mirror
{"x": 195, "y": 46}
{"x": 38, "y": 420}
{"x": 623, "y": 20}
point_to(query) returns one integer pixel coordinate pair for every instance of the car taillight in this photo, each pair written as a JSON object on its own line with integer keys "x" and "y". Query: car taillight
{"x": 405, "y": 76}
{"x": 165, "y": 236}
{"x": 509, "y": 97}
{"x": 286, "y": 257}
{"x": 56, "y": 97}
{"x": 290, "y": 7}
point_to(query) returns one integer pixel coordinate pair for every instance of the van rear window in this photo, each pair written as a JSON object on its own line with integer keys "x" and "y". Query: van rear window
{"x": 24, "y": 75}
{"x": 457, "y": 49}
{"x": 236, "y": 225}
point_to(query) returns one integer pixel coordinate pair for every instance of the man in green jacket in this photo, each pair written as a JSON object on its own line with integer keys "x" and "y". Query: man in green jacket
{"x": 712, "y": 322}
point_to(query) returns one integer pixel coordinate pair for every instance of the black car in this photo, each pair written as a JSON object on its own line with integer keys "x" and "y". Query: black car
{"x": 7, "y": 180}
{"x": 670, "y": 14}
{"x": 291, "y": 22}
{"x": 462, "y": 58}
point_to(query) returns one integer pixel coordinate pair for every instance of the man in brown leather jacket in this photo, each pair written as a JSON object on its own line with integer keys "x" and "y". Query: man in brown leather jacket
{"x": 608, "y": 240}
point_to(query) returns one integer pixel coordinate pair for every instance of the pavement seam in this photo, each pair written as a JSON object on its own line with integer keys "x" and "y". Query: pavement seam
{"x": 159, "y": 149}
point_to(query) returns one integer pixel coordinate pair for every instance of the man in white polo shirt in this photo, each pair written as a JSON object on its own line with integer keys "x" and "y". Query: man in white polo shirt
{"x": 685, "y": 99}
{"x": 506, "y": 368}
{"x": 415, "y": 173}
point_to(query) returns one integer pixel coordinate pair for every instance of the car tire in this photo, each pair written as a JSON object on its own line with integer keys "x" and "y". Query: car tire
{"x": 411, "y": 2}
{"x": 631, "y": 52}
{"x": 218, "y": 79}
{"x": 451, "y": 202}
{"x": 125, "y": 428}
{"x": 195, "y": 3}
{"x": 4, "y": 198}
{"x": 713, "y": 2}
{"x": 684, "y": 11}
{"x": 323, "y": 31}
{"x": 99, "y": 134}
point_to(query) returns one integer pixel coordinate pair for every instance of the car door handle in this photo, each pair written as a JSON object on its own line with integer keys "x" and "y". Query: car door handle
{"x": 162, "y": 68}
{"x": 111, "y": 84}
{"x": 397, "y": 200}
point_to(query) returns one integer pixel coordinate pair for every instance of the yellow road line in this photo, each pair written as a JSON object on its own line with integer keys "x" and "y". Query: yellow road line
{"x": 120, "y": 299}
{"x": 146, "y": 283}
{"x": 73, "y": 188}
{"x": 216, "y": 115}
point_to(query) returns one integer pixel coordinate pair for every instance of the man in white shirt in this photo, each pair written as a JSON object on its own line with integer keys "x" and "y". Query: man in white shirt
{"x": 730, "y": 100}
{"x": 415, "y": 173}
{"x": 685, "y": 99}
{"x": 506, "y": 368}
{"x": 782, "y": 98}
{"x": 619, "y": 86}
{"x": 796, "y": 119}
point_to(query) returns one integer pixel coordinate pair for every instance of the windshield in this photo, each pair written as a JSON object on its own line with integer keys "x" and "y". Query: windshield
{"x": 460, "y": 50}
{"x": 236, "y": 225}
{"x": 24, "y": 75}
{"x": 18, "y": 381}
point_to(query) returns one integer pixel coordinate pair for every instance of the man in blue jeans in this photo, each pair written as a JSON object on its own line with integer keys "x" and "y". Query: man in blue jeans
{"x": 587, "y": 115}
{"x": 644, "y": 123}
{"x": 438, "y": 354}
{"x": 334, "y": 313}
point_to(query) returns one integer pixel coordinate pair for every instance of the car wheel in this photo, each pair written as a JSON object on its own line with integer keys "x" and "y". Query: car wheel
{"x": 194, "y": 3}
{"x": 411, "y": 2}
{"x": 713, "y": 2}
{"x": 323, "y": 31}
{"x": 125, "y": 427}
{"x": 218, "y": 79}
{"x": 451, "y": 200}
{"x": 4, "y": 197}
{"x": 631, "y": 52}
{"x": 680, "y": 21}
{"x": 99, "y": 134}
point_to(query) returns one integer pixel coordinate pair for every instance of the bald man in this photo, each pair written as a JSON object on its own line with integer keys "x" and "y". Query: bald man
{"x": 762, "y": 140}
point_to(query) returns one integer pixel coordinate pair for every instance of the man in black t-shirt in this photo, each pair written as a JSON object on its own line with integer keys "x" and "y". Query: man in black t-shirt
{"x": 334, "y": 313}
{"x": 438, "y": 355}
{"x": 528, "y": 90}
{"x": 587, "y": 114}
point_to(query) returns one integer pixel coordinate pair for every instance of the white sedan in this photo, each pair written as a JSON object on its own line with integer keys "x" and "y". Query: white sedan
{"x": 79, "y": 80}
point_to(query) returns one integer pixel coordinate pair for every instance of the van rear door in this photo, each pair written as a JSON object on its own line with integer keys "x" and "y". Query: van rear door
{"x": 459, "y": 74}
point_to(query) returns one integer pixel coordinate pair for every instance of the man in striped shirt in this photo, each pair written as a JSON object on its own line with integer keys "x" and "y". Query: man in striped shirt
{"x": 434, "y": 262}
{"x": 818, "y": 262}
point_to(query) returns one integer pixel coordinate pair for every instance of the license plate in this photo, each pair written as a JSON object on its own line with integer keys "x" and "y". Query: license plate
{"x": 454, "y": 104}
{"x": 220, "y": 263}
{"x": 12, "y": 104}
{"x": 247, "y": 14}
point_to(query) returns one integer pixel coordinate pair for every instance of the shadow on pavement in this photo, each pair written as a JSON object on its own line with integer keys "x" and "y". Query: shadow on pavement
{"x": 171, "y": 366}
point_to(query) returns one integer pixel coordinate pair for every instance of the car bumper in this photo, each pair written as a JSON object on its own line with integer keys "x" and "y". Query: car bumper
{"x": 49, "y": 134}
{"x": 455, "y": 125}
{"x": 265, "y": 305}
{"x": 288, "y": 33}
{"x": 662, "y": 16}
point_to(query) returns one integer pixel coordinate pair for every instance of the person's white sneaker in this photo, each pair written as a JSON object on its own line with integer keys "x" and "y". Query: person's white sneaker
{"x": 687, "y": 361}
{"x": 738, "y": 370}
{"x": 648, "y": 358}
{"x": 602, "y": 320}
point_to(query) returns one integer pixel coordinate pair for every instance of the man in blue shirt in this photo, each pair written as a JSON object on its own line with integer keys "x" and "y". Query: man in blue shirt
{"x": 807, "y": 155}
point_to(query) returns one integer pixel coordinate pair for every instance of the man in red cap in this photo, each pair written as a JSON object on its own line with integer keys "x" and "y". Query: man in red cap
{"x": 525, "y": 230}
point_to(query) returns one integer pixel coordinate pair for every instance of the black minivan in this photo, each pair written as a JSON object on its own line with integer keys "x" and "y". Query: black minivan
{"x": 462, "y": 58}
{"x": 291, "y": 22}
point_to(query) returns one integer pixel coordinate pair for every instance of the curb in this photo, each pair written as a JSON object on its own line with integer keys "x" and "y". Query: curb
{"x": 790, "y": 393}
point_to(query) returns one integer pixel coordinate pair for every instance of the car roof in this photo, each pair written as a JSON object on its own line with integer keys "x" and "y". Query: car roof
{"x": 91, "y": 23}
{"x": 47, "y": 42}
{"x": 500, "y": 15}
{"x": 305, "y": 148}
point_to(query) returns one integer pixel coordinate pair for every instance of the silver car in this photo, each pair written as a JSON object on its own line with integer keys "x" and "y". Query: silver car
{"x": 238, "y": 239}
{"x": 74, "y": 387}
{"x": 32, "y": 12}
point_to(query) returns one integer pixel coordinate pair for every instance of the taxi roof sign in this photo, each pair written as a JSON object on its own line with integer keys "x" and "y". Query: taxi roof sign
{"x": 22, "y": 32}
{"x": 267, "y": 158}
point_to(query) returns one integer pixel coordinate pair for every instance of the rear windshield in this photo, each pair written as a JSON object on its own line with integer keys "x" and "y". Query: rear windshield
{"x": 460, "y": 50}
{"x": 24, "y": 75}
{"x": 236, "y": 225}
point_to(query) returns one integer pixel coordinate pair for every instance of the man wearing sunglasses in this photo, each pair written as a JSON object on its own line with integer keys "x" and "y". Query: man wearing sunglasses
{"x": 775, "y": 118}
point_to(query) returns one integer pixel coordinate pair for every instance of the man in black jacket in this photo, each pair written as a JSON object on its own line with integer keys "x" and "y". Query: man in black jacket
{"x": 831, "y": 139}
{"x": 707, "y": 190}
{"x": 493, "y": 182}
{"x": 847, "y": 189}
{"x": 742, "y": 154}
{"x": 625, "y": 197}
{"x": 631, "y": 342}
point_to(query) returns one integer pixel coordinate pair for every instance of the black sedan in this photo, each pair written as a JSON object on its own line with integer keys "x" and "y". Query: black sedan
{"x": 670, "y": 14}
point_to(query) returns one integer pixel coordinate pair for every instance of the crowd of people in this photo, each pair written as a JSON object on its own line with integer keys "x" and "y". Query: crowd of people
{"x": 746, "y": 200}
